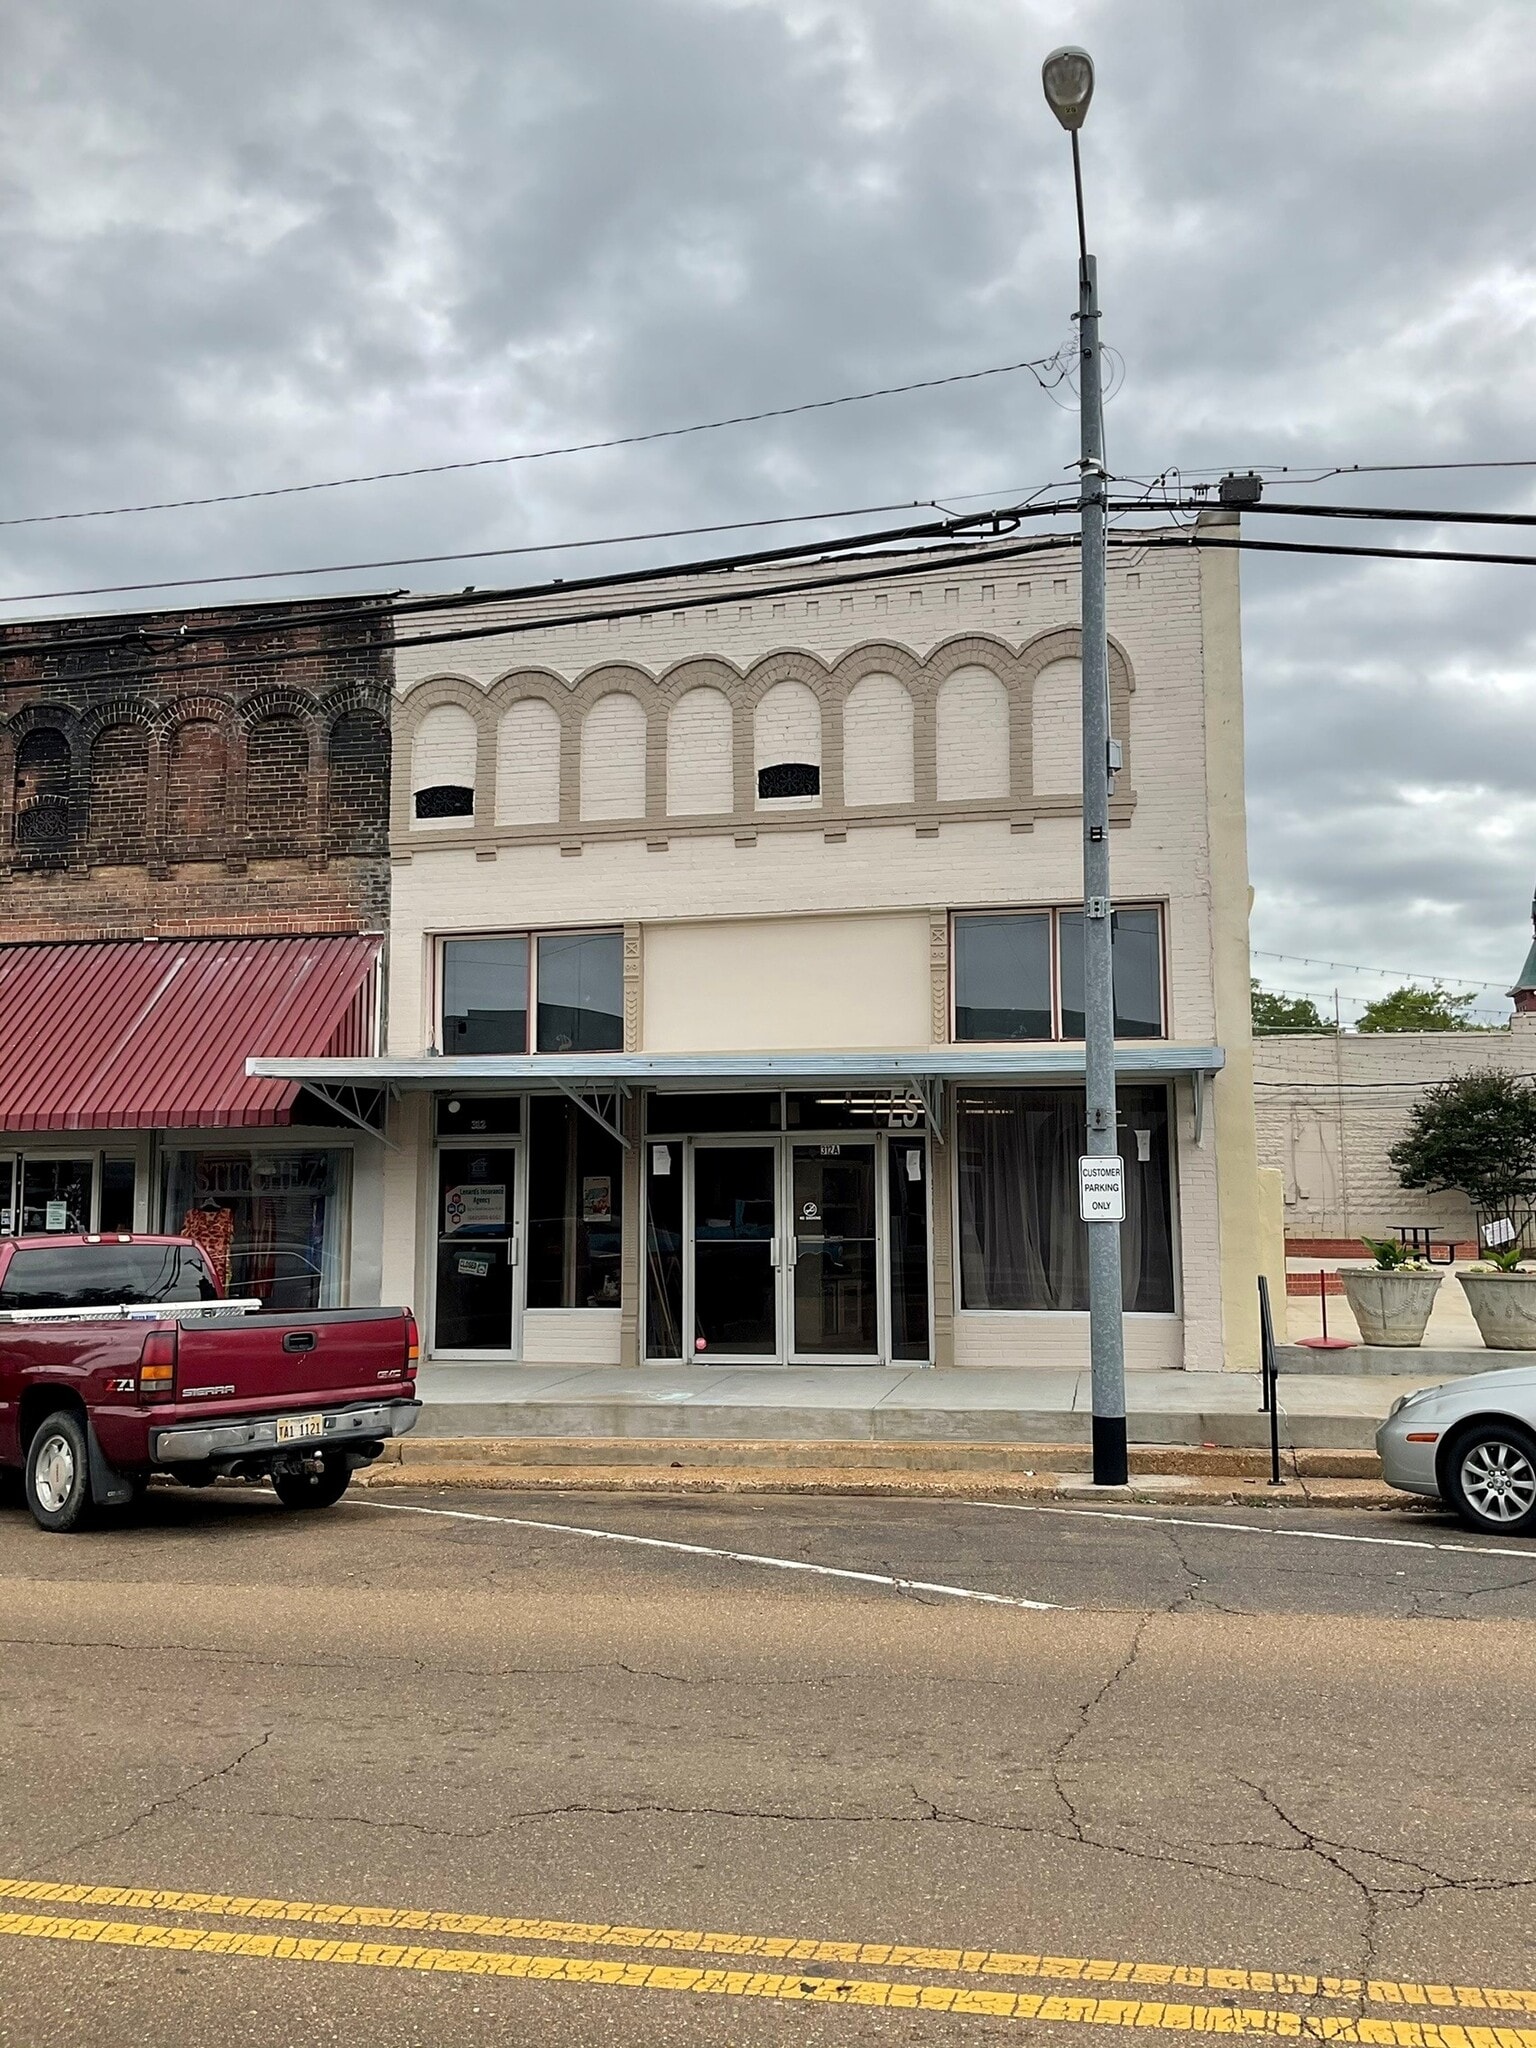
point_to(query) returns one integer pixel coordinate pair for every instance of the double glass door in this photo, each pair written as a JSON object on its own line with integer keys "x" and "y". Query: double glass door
{"x": 788, "y": 1252}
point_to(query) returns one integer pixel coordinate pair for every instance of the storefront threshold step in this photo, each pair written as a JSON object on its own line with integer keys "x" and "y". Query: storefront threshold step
{"x": 1236, "y": 1426}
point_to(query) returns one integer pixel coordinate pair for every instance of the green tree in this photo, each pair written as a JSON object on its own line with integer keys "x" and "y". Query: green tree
{"x": 1474, "y": 1134}
{"x": 1284, "y": 1013}
{"x": 1417, "y": 1009}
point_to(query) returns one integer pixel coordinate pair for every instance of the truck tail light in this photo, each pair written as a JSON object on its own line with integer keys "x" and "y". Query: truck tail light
{"x": 412, "y": 1340}
{"x": 157, "y": 1366}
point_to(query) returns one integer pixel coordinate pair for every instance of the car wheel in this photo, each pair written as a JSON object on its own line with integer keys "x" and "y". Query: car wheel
{"x": 58, "y": 1474}
{"x": 1491, "y": 1475}
{"x": 301, "y": 1488}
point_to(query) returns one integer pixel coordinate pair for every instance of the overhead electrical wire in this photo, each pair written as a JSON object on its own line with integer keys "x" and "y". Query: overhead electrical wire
{"x": 1201, "y": 538}
{"x": 1037, "y": 367}
{"x": 886, "y": 571}
{"x": 548, "y": 547}
{"x": 396, "y": 605}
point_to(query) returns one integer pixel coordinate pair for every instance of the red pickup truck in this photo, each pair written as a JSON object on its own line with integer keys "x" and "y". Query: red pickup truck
{"x": 119, "y": 1357}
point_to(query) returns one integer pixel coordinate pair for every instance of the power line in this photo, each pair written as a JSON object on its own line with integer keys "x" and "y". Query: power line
{"x": 1355, "y": 967}
{"x": 275, "y": 656}
{"x": 1037, "y": 369}
{"x": 337, "y": 612}
{"x": 1204, "y": 538}
{"x": 549, "y": 547}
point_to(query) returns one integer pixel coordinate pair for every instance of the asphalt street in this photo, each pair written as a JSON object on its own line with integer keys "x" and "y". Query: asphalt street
{"x": 427, "y": 1769}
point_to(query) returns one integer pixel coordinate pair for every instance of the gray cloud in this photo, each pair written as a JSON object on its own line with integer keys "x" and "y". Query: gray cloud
{"x": 259, "y": 245}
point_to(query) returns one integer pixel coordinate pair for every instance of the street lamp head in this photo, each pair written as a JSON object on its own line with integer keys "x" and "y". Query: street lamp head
{"x": 1067, "y": 75}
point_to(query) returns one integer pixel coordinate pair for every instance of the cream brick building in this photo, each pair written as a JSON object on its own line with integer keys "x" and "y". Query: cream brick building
{"x": 734, "y": 992}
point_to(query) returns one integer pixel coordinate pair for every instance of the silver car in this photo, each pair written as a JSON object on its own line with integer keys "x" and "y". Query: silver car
{"x": 1472, "y": 1444}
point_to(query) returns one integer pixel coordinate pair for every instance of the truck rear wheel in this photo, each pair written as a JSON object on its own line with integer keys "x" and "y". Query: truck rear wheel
{"x": 298, "y": 1487}
{"x": 58, "y": 1474}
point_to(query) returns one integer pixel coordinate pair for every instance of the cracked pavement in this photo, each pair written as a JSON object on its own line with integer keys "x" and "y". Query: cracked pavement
{"x": 1223, "y": 1748}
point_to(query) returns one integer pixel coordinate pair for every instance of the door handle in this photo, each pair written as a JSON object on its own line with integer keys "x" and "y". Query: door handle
{"x": 299, "y": 1340}
{"x": 773, "y": 1251}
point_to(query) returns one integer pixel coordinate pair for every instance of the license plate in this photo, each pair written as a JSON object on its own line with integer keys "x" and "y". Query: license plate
{"x": 294, "y": 1428}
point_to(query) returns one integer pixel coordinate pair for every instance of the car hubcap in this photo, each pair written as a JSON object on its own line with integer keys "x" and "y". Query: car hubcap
{"x": 54, "y": 1473}
{"x": 1500, "y": 1481}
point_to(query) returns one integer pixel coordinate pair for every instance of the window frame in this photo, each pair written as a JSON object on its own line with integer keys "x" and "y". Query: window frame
{"x": 531, "y": 935}
{"x": 1174, "y": 1191}
{"x": 1055, "y": 912}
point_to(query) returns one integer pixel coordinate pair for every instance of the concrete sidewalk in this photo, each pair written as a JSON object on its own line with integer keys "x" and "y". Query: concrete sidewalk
{"x": 900, "y": 1404}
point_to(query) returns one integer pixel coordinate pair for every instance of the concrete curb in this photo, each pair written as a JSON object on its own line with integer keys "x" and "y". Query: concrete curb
{"x": 1164, "y": 1490}
{"x": 633, "y": 1458}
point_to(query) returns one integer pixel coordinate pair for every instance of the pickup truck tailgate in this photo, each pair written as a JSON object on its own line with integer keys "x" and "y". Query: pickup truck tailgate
{"x": 280, "y": 1360}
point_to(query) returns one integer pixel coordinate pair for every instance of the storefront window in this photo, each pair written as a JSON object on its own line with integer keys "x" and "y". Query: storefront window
{"x": 1136, "y": 940}
{"x": 575, "y": 1187}
{"x": 1003, "y": 977}
{"x": 1005, "y": 986}
{"x": 56, "y": 1194}
{"x": 272, "y": 1224}
{"x": 485, "y": 995}
{"x": 1022, "y": 1242}
{"x": 581, "y": 992}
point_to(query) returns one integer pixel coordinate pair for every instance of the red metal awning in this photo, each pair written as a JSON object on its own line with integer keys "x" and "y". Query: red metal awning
{"x": 155, "y": 1034}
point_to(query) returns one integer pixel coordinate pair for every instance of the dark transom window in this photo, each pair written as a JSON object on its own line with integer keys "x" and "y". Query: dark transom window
{"x": 445, "y": 800}
{"x": 789, "y": 778}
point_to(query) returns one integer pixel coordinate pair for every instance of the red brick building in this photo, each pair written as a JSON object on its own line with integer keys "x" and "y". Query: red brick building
{"x": 196, "y": 781}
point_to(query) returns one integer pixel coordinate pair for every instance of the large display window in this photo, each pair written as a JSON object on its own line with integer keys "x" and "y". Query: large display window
{"x": 272, "y": 1223}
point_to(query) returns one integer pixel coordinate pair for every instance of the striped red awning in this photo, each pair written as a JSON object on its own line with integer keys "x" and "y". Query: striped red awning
{"x": 154, "y": 1034}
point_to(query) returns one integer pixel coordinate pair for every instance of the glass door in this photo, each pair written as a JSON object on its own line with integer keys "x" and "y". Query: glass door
{"x": 56, "y": 1194}
{"x": 836, "y": 1286}
{"x": 476, "y": 1298}
{"x": 734, "y": 1247}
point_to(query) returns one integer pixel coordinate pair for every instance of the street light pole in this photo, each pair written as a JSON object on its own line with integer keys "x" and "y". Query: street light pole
{"x": 1068, "y": 79}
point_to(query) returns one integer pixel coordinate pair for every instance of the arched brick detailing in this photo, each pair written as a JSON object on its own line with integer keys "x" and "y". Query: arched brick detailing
{"x": 197, "y": 784}
{"x": 157, "y": 838}
{"x": 614, "y": 736}
{"x": 44, "y": 799}
{"x": 572, "y": 700}
{"x": 357, "y": 756}
{"x": 528, "y": 746}
{"x": 119, "y": 781}
{"x": 277, "y": 780}
{"x": 878, "y": 757}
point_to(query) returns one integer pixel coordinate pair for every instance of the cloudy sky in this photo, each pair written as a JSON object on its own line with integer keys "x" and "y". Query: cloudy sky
{"x": 254, "y": 246}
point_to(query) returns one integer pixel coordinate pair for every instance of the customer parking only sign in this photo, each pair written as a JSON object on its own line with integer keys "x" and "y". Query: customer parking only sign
{"x": 1101, "y": 1189}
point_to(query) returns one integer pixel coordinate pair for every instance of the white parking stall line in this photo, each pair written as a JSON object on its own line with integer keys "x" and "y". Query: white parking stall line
{"x": 1018, "y": 1507}
{"x": 782, "y": 1564}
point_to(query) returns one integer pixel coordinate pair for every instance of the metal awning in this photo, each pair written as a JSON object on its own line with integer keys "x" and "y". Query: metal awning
{"x": 156, "y": 1034}
{"x": 1134, "y": 1059}
{"x": 589, "y": 1078}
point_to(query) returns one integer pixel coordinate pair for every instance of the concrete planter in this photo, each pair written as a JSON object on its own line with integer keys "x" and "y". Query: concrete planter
{"x": 1505, "y": 1307}
{"x": 1391, "y": 1308}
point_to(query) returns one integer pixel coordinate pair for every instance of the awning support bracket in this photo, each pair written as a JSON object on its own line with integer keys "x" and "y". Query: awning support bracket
{"x": 931, "y": 1088}
{"x": 366, "y": 1108}
{"x": 1199, "y": 1080}
{"x": 592, "y": 1100}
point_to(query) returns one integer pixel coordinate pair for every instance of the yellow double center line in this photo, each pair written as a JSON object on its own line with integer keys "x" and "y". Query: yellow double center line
{"x": 1089, "y": 2007}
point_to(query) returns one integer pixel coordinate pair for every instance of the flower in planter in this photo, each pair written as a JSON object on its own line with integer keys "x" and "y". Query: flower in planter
{"x": 1392, "y": 1257}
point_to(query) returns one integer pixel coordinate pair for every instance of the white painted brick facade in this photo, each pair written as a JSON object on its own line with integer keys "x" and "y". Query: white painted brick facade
{"x": 732, "y": 875}
{"x": 972, "y": 736}
{"x": 699, "y": 765}
{"x": 1058, "y": 729}
{"x": 528, "y": 764}
{"x": 877, "y": 742}
{"x": 786, "y": 726}
{"x": 443, "y": 751}
{"x": 613, "y": 758}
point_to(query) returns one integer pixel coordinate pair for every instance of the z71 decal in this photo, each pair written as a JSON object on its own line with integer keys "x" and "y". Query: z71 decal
{"x": 124, "y": 1386}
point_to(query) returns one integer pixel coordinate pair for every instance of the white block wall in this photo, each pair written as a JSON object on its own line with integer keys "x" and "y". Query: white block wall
{"x": 972, "y": 736}
{"x": 877, "y": 742}
{"x": 528, "y": 764}
{"x": 444, "y": 752}
{"x": 1058, "y": 729}
{"x": 787, "y": 727}
{"x": 699, "y": 754}
{"x": 613, "y": 758}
